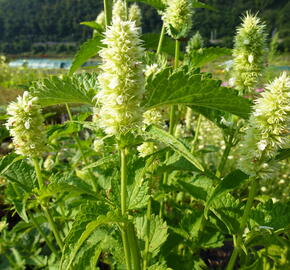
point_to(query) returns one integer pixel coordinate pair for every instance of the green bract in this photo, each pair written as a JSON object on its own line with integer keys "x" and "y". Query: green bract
{"x": 26, "y": 126}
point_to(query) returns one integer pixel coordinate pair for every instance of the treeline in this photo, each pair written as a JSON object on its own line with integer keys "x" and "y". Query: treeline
{"x": 54, "y": 25}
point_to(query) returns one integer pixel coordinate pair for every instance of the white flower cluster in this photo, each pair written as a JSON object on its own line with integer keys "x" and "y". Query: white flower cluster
{"x": 146, "y": 149}
{"x": 121, "y": 80}
{"x": 249, "y": 53}
{"x": 177, "y": 18}
{"x": 268, "y": 126}
{"x": 26, "y": 126}
{"x": 152, "y": 117}
{"x": 119, "y": 11}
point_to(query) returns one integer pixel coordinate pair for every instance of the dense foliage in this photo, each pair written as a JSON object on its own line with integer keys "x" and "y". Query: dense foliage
{"x": 156, "y": 165}
{"x": 41, "y": 26}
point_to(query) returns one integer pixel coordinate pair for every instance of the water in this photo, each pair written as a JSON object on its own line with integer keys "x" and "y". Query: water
{"x": 48, "y": 63}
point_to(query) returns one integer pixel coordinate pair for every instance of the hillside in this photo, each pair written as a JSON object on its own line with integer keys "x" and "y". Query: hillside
{"x": 40, "y": 25}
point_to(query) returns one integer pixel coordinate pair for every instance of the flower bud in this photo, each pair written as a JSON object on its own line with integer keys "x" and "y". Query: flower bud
{"x": 135, "y": 14}
{"x": 119, "y": 11}
{"x": 177, "y": 18}
{"x": 26, "y": 126}
{"x": 249, "y": 53}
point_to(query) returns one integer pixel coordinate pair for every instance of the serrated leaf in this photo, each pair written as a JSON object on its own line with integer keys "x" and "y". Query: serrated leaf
{"x": 158, "y": 4}
{"x": 199, "y": 188}
{"x": 87, "y": 50}
{"x": 94, "y": 25}
{"x": 180, "y": 87}
{"x": 169, "y": 140}
{"x": 7, "y": 161}
{"x": 21, "y": 174}
{"x": 158, "y": 232}
{"x": 78, "y": 88}
{"x": 231, "y": 181}
{"x": 177, "y": 162}
{"x": 90, "y": 228}
{"x": 272, "y": 215}
{"x": 228, "y": 210}
{"x": 198, "y": 58}
{"x": 138, "y": 194}
{"x": 197, "y": 4}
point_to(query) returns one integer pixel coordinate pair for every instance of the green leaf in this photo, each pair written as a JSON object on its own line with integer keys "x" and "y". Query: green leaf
{"x": 180, "y": 87}
{"x": 273, "y": 215}
{"x": 199, "y": 188}
{"x": 283, "y": 154}
{"x": 87, "y": 50}
{"x": 21, "y": 174}
{"x": 151, "y": 41}
{"x": 158, "y": 4}
{"x": 169, "y": 140}
{"x": 79, "y": 88}
{"x": 138, "y": 194}
{"x": 197, "y": 4}
{"x": 90, "y": 228}
{"x": 7, "y": 161}
{"x": 158, "y": 266}
{"x": 94, "y": 25}
{"x": 198, "y": 58}
{"x": 158, "y": 232}
{"x": 177, "y": 162}
{"x": 229, "y": 211}
{"x": 231, "y": 181}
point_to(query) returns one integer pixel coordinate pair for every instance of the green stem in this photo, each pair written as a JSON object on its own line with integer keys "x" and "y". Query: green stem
{"x": 53, "y": 226}
{"x": 108, "y": 11}
{"x": 177, "y": 53}
{"x": 45, "y": 209}
{"x": 123, "y": 194}
{"x": 147, "y": 241}
{"x": 245, "y": 217}
{"x": 171, "y": 121}
{"x": 38, "y": 173}
{"x": 161, "y": 38}
{"x": 224, "y": 158}
{"x": 37, "y": 226}
{"x": 196, "y": 131}
{"x": 133, "y": 244}
{"x": 76, "y": 139}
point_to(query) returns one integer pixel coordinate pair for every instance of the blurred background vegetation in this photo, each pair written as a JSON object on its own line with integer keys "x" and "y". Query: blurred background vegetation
{"x": 53, "y": 26}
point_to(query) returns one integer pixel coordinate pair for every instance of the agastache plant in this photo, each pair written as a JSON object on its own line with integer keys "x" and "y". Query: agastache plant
{"x": 249, "y": 53}
{"x": 135, "y": 14}
{"x": 268, "y": 125}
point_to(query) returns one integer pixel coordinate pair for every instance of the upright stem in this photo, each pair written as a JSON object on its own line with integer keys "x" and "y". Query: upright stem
{"x": 171, "y": 120}
{"x": 161, "y": 38}
{"x": 37, "y": 226}
{"x": 196, "y": 131}
{"x": 76, "y": 139}
{"x": 45, "y": 208}
{"x": 224, "y": 159}
{"x": 245, "y": 217}
{"x": 147, "y": 241}
{"x": 108, "y": 11}
{"x": 125, "y": 238}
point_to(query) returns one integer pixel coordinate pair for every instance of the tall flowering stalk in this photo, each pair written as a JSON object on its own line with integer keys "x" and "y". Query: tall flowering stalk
{"x": 122, "y": 86}
{"x": 135, "y": 14}
{"x": 249, "y": 53}
{"x": 26, "y": 126}
{"x": 268, "y": 126}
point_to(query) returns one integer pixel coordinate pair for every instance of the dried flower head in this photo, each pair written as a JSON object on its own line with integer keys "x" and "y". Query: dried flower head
{"x": 268, "y": 126}
{"x": 177, "y": 18}
{"x": 249, "y": 53}
{"x": 121, "y": 80}
{"x": 26, "y": 126}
